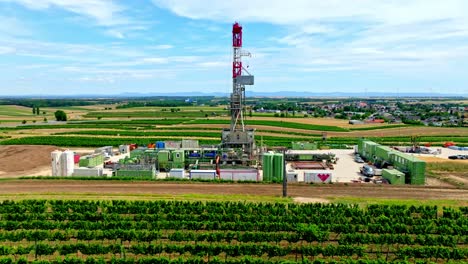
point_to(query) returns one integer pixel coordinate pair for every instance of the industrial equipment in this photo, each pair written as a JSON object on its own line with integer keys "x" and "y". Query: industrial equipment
{"x": 237, "y": 136}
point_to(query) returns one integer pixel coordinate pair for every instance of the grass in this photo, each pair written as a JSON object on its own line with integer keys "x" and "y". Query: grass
{"x": 148, "y": 197}
{"x": 447, "y": 166}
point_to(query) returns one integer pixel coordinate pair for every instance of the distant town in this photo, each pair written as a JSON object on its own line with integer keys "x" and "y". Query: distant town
{"x": 358, "y": 111}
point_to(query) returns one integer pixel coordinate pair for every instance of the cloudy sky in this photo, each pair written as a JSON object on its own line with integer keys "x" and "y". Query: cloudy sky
{"x": 157, "y": 46}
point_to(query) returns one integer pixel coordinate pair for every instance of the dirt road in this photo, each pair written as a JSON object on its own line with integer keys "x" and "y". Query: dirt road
{"x": 311, "y": 191}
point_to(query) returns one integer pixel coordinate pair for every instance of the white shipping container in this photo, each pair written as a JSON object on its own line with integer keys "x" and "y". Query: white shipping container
{"x": 224, "y": 175}
{"x": 177, "y": 173}
{"x": 88, "y": 172}
{"x": 318, "y": 176}
{"x": 203, "y": 174}
{"x": 239, "y": 175}
{"x": 189, "y": 143}
{"x": 173, "y": 144}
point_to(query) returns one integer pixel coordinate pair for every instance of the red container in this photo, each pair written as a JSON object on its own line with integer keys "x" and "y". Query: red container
{"x": 76, "y": 158}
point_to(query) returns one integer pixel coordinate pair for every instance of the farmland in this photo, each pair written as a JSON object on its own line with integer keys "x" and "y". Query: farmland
{"x": 113, "y": 122}
{"x": 57, "y": 231}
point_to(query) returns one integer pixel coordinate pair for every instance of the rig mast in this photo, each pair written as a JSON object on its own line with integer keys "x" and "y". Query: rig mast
{"x": 237, "y": 136}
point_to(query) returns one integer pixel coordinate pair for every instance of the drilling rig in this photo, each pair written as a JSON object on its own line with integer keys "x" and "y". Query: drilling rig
{"x": 238, "y": 136}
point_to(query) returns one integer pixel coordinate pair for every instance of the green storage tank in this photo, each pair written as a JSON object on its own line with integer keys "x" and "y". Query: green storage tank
{"x": 267, "y": 166}
{"x": 395, "y": 177}
{"x": 278, "y": 167}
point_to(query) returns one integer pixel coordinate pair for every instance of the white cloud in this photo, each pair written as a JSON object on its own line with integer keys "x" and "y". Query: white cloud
{"x": 115, "y": 33}
{"x": 155, "y": 60}
{"x": 214, "y": 64}
{"x": 367, "y": 33}
{"x": 301, "y": 11}
{"x": 104, "y": 12}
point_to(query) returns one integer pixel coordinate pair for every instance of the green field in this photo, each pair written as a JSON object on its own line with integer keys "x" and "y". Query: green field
{"x": 15, "y": 111}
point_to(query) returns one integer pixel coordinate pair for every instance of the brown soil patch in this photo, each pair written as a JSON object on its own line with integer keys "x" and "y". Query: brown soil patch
{"x": 20, "y": 160}
{"x": 105, "y": 188}
{"x": 436, "y": 182}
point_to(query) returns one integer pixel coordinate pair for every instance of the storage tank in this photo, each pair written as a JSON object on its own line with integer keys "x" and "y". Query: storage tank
{"x": 267, "y": 166}
{"x": 56, "y": 164}
{"x": 278, "y": 167}
{"x": 67, "y": 161}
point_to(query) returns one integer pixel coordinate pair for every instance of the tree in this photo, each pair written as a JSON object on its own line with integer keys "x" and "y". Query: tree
{"x": 60, "y": 115}
{"x": 38, "y": 112}
{"x": 23, "y": 122}
{"x": 34, "y": 110}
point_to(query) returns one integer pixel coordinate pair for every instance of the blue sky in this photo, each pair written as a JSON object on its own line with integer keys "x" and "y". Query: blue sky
{"x": 68, "y": 47}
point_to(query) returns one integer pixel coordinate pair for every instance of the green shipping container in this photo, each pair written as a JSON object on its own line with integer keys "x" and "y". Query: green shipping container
{"x": 163, "y": 156}
{"x": 178, "y": 156}
{"x": 360, "y": 146}
{"x": 417, "y": 170}
{"x": 394, "y": 176}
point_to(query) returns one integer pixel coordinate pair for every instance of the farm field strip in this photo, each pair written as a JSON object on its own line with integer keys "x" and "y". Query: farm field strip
{"x": 155, "y": 114}
{"x": 229, "y": 232}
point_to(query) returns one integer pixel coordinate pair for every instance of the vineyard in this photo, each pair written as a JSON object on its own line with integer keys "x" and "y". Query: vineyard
{"x": 56, "y": 231}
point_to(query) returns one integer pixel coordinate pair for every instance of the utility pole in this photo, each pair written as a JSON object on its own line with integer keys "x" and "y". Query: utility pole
{"x": 285, "y": 180}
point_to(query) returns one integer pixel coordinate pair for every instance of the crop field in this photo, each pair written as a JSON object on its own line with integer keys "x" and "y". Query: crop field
{"x": 14, "y": 110}
{"x": 142, "y": 124}
{"x": 116, "y": 231}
